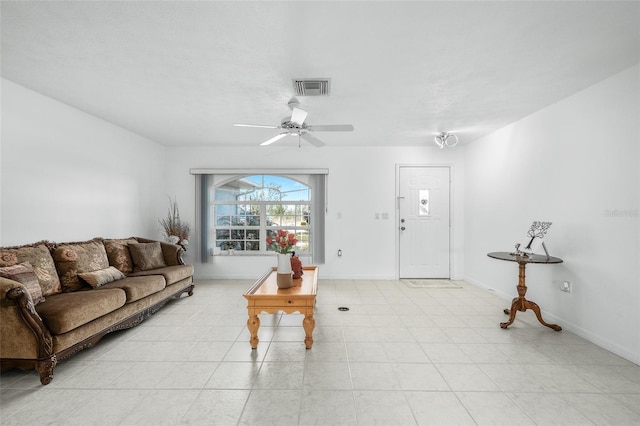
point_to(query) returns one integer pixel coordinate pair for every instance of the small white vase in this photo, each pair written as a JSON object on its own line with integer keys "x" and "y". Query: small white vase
{"x": 284, "y": 272}
{"x": 284, "y": 263}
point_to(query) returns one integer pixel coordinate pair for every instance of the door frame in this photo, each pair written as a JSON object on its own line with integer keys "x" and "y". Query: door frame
{"x": 451, "y": 215}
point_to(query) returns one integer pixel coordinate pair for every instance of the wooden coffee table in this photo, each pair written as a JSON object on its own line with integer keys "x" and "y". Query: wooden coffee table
{"x": 265, "y": 296}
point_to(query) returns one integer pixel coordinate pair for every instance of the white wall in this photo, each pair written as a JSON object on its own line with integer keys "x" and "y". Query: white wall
{"x": 66, "y": 175}
{"x": 575, "y": 163}
{"x": 362, "y": 181}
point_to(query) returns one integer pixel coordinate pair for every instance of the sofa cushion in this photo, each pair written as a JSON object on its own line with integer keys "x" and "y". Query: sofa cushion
{"x": 65, "y": 311}
{"x": 146, "y": 256}
{"x": 172, "y": 274}
{"x": 74, "y": 258}
{"x": 118, "y": 254}
{"x": 24, "y": 274}
{"x": 137, "y": 288}
{"x": 101, "y": 277}
{"x": 39, "y": 257}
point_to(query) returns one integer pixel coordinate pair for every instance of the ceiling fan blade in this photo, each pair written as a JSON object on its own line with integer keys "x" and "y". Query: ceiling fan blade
{"x": 298, "y": 116}
{"x": 264, "y": 126}
{"x": 312, "y": 139}
{"x": 331, "y": 128}
{"x": 274, "y": 139}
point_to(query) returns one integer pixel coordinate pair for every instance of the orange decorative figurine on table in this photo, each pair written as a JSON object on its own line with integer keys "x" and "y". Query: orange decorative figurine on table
{"x": 296, "y": 266}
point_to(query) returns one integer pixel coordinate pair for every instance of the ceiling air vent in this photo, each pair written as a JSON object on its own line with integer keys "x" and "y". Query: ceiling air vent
{"x": 311, "y": 86}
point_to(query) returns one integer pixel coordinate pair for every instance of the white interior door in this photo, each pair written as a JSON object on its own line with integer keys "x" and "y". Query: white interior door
{"x": 423, "y": 204}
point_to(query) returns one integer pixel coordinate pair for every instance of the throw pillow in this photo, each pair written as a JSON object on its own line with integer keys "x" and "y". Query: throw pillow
{"x": 39, "y": 257}
{"x": 24, "y": 274}
{"x": 118, "y": 254}
{"x": 8, "y": 258}
{"x": 146, "y": 256}
{"x": 101, "y": 277}
{"x": 74, "y": 258}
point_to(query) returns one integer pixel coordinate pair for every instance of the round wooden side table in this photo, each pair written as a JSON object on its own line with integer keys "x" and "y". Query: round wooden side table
{"x": 520, "y": 303}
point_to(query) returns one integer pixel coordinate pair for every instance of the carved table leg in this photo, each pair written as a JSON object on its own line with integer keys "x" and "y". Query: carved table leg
{"x": 535, "y": 308}
{"x": 521, "y": 304}
{"x": 511, "y": 312}
{"x": 253, "y": 323}
{"x": 309, "y": 324}
{"x": 518, "y": 303}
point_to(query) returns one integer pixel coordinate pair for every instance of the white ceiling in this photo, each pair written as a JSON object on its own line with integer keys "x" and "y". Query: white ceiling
{"x": 180, "y": 73}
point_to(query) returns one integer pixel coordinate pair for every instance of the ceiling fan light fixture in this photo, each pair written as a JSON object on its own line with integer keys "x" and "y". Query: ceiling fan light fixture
{"x": 446, "y": 139}
{"x": 298, "y": 116}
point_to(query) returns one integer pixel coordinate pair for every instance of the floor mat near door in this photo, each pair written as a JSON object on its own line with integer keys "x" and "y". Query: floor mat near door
{"x": 423, "y": 283}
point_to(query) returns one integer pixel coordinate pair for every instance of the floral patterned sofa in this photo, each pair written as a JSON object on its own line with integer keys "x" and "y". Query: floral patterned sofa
{"x": 59, "y": 298}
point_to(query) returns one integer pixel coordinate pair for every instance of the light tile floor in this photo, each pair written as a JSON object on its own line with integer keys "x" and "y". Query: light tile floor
{"x": 399, "y": 356}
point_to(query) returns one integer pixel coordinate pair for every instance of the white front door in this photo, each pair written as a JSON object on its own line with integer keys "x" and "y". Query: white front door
{"x": 423, "y": 204}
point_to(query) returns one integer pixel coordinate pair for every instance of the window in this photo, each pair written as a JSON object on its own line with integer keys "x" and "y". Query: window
{"x": 249, "y": 209}
{"x": 238, "y": 209}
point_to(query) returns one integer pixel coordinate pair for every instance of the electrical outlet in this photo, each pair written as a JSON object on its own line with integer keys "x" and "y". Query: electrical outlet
{"x": 563, "y": 285}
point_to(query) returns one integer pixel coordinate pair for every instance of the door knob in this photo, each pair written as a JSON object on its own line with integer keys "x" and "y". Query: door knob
{"x": 402, "y": 228}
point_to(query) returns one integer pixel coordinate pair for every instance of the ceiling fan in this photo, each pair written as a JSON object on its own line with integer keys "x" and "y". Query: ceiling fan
{"x": 295, "y": 125}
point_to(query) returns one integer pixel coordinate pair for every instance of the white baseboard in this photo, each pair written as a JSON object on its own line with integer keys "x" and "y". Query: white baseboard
{"x": 596, "y": 339}
{"x": 321, "y": 277}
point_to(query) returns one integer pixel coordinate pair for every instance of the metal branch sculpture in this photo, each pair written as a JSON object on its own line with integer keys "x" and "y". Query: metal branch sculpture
{"x": 537, "y": 230}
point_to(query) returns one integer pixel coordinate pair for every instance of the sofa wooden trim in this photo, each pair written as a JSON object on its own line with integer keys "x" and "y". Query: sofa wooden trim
{"x": 47, "y": 360}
